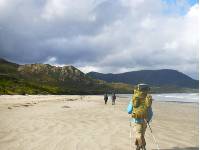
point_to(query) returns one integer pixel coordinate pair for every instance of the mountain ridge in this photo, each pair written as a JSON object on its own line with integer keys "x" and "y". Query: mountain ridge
{"x": 140, "y": 70}
{"x": 161, "y": 77}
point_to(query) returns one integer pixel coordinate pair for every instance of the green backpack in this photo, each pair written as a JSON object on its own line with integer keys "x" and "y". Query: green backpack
{"x": 141, "y": 102}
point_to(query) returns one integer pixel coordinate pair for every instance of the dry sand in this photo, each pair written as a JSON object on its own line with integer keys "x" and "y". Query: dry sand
{"x": 86, "y": 123}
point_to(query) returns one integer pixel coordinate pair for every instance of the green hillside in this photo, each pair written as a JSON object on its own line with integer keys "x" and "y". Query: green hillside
{"x": 47, "y": 79}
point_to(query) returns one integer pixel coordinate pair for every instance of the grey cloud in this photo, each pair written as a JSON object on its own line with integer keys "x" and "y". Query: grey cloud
{"x": 106, "y": 35}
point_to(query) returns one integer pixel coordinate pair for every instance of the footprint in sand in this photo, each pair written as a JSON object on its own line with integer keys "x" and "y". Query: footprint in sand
{"x": 66, "y": 107}
{"x": 22, "y": 105}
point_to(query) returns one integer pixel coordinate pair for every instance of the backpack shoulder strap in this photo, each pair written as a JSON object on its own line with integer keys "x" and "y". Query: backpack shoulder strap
{"x": 148, "y": 100}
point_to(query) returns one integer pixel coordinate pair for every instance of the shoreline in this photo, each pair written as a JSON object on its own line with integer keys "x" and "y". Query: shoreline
{"x": 117, "y": 95}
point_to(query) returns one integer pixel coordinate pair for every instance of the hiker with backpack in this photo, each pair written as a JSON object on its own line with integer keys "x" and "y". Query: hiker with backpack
{"x": 141, "y": 113}
{"x": 105, "y": 98}
{"x": 113, "y": 98}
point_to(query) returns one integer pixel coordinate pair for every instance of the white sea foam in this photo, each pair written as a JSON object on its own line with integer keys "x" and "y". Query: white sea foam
{"x": 176, "y": 97}
{"x": 179, "y": 97}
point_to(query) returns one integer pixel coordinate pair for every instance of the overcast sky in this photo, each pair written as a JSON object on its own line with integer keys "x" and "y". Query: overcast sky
{"x": 108, "y": 36}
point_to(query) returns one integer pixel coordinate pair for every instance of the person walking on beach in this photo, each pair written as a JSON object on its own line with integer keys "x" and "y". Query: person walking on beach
{"x": 105, "y": 98}
{"x": 141, "y": 113}
{"x": 113, "y": 99}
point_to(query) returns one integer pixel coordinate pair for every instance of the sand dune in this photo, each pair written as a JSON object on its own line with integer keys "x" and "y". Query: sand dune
{"x": 85, "y": 123}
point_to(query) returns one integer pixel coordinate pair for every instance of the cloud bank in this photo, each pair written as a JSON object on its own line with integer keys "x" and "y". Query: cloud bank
{"x": 101, "y": 35}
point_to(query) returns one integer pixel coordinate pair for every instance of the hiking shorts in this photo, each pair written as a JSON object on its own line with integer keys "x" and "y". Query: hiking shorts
{"x": 139, "y": 131}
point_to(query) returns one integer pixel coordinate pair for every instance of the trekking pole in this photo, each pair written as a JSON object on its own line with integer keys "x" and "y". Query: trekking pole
{"x": 130, "y": 136}
{"x": 152, "y": 135}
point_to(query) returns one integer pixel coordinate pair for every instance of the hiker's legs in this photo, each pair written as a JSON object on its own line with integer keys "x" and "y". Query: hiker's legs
{"x": 105, "y": 101}
{"x": 140, "y": 129}
{"x": 113, "y": 102}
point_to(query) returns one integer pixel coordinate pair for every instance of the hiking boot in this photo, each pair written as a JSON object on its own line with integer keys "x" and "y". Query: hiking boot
{"x": 138, "y": 147}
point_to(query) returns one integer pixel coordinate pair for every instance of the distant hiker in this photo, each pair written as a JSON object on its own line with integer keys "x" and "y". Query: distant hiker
{"x": 113, "y": 99}
{"x": 105, "y": 98}
{"x": 141, "y": 113}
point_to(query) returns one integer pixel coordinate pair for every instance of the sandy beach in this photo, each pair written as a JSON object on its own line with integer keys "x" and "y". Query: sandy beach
{"x": 86, "y": 123}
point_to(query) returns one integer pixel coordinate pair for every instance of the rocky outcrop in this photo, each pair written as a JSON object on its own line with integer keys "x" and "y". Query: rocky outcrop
{"x": 60, "y": 73}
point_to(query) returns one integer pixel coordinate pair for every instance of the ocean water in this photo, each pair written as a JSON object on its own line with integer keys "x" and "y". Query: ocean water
{"x": 171, "y": 97}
